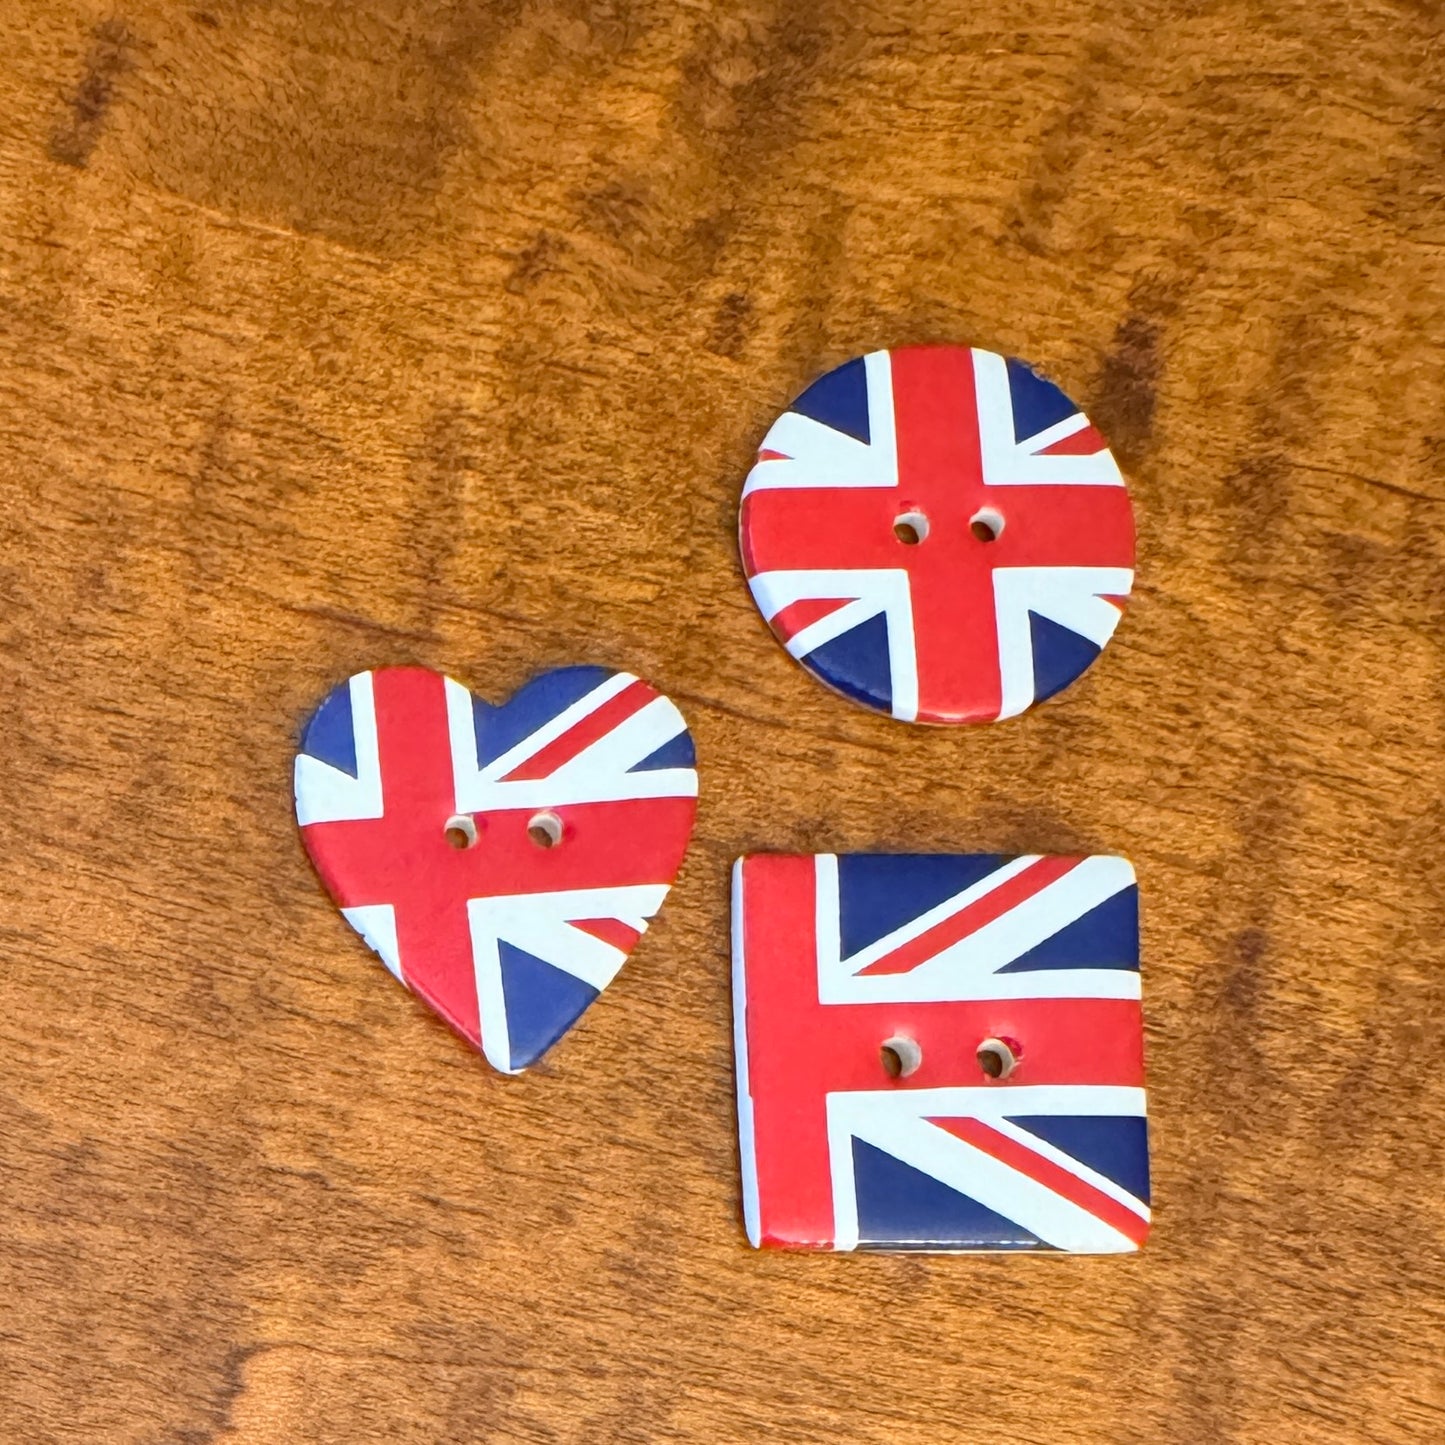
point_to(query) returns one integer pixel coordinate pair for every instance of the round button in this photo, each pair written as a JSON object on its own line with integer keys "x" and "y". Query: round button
{"x": 938, "y": 533}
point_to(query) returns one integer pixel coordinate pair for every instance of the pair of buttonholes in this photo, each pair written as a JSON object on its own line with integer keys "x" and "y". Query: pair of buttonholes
{"x": 544, "y": 829}
{"x": 911, "y": 528}
{"x": 901, "y": 1056}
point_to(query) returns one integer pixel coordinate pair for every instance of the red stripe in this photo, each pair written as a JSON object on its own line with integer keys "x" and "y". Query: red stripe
{"x": 950, "y": 573}
{"x": 620, "y": 844}
{"x": 797, "y": 615}
{"x": 948, "y": 931}
{"x": 1082, "y": 443}
{"x": 1052, "y": 1176}
{"x": 767, "y": 454}
{"x": 610, "y": 930}
{"x": 582, "y": 734}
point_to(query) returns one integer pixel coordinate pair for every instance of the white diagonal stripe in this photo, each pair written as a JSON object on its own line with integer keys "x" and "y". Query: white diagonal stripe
{"x": 325, "y": 794}
{"x": 915, "y": 926}
{"x": 1055, "y": 1155}
{"x": 994, "y": 945}
{"x": 897, "y": 1123}
{"x": 817, "y": 455}
{"x": 773, "y": 591}
{"x": 553, "y": 728}
{"x": 833, "y": 624}
{"x": 549, "y": 937}
{"x": 870, "y": 590}
{"x": 814, "y": 455}
{"x": 542, "y": 924}
{"x": 1073, "y": 597}
{"x": 1010, "y": 463}
{"x": 376, "y": 923}
{"x": 1041, "y": 441}
{"x": 632, "y": 741}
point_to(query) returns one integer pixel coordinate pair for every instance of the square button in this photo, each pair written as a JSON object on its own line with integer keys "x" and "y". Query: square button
{"x": 940, "y": 1052}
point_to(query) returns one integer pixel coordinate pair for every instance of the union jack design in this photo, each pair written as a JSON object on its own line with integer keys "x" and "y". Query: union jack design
{"x": 1014, "y": 548}
{"x": 834, "y": 957}
{"x": 508, "y": 939}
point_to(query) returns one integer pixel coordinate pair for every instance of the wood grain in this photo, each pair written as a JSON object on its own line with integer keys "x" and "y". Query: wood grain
{"x": 335, "y": 335}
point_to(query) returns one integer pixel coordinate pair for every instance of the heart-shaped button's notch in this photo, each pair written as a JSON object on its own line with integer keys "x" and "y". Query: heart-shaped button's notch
{"x": 501, "y": 860}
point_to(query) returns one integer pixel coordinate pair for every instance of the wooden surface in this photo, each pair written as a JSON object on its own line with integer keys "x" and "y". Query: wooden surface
{"x": 335, "y": 335}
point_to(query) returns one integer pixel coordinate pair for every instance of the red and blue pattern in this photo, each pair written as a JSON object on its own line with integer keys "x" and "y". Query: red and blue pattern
{"x": 508, "y": 940}
{"x": 1025, "y": 537}
{"x": 835, "y": 956}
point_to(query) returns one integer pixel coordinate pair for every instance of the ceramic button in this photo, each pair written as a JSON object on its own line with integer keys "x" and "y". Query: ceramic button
{"x": 940, "y": 1053}
{"x": 938, "y": 533}
{"x": 502, "y": 861}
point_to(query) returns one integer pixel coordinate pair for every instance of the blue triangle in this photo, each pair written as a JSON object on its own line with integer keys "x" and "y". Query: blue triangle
{"x": 1060, "y": 655}
{"x": 878, "y": 892}
{"x": 330, "y": 735}
{"x": 856, "y": 663}
{"x": 902, "y": 1207}
{"x": 499, "y": 729}
{"x": 542, "y": 1003}
{"x": 1116, "y": 1146}
{"x": 1105, "y": 937}
{"x": 1037, "y": 403}
{"x": 839, "y": 399}
{"x": 676, "y": 752}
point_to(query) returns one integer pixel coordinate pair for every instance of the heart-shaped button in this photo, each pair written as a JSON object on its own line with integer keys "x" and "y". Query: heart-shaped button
{"x": 501, "y": 860}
